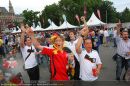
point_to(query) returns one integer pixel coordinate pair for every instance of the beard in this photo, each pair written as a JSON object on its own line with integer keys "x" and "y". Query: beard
{"x": 125, "y": 38}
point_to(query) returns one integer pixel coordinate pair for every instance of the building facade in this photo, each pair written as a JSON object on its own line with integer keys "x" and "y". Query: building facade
{"x": 7, "y": 18}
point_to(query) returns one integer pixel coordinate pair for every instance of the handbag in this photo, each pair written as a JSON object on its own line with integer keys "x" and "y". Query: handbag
{"x": 27, "y": 58}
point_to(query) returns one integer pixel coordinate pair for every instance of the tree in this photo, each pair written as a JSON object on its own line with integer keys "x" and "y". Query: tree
{"x": 108, "y": 12}
{"x": 125, "y": 15}
{"x": 70, "y": 9}
{"x": 30, "y": 17}
{"x": 51, "y": 12}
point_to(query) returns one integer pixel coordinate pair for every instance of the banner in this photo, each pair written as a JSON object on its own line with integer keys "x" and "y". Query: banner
{"x": 85, "y": 10}
{"x": 77, "y": 17}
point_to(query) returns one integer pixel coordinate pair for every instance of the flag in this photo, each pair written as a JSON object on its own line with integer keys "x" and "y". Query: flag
{"x": 77, "y": 17}
{"x": 99, "y": 15}
{"x": 85, "y": 10}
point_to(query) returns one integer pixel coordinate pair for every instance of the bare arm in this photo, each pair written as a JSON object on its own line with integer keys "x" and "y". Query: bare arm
{"x": 118, "y": 30}
{"x": 78, "y": 45}
{"x": 36, "y": 43}
{"x": 22, "y": 40}
{"x": 99, "y": 66}
{"x": 23, "y": 30}
{"x": 34, "y": 40}
{"x": 83, "y": 32}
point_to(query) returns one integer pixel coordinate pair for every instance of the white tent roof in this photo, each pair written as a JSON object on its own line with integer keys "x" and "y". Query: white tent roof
{"x": 18, "y": 31}
{"x": 51, "y": 27}
{"x": 38, "y": 28}
{"x": 94, "y": 21}
{"x": 66, "y": 25}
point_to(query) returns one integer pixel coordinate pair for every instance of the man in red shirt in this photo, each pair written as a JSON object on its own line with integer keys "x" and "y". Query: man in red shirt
{"x": 58, "y": 57}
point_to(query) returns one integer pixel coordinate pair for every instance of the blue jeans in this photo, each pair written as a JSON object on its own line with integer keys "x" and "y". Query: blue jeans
{"x": 121, "y": 63}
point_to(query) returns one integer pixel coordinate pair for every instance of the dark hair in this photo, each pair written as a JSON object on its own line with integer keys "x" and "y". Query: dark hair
{"x": 72, "y": 32}
{"x": 86, "y": 38}
{"x": 25, "y": 38}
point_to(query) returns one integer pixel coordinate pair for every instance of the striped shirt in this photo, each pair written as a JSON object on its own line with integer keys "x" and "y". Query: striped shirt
{"x": 123, "y": 47}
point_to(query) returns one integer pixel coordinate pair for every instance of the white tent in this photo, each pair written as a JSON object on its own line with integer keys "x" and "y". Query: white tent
{"x": 66, "y": 25}
{"x": 51, "y": 27}
{"x": 94, "y": 21}
{"x": 38, "y": 28}
{"x": 18, "y": 31}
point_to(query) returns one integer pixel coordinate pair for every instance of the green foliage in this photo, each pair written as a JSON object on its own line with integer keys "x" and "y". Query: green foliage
{"x": 30, "y": 17}
{"x": 72, "y": 7}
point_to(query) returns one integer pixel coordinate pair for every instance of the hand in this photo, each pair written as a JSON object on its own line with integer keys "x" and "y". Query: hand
{"x": 71, "y": 57}
{"x": 82, "y": 18}
{"x": 22, "y": 27}
{"x": 98, "y": 72}
{"x": 84, "y": 31}
{"x": 30, "y": 32}
{"x": 128, "y": 53}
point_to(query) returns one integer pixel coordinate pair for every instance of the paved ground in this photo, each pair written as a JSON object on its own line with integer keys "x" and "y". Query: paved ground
{"x": 107, "y": 73}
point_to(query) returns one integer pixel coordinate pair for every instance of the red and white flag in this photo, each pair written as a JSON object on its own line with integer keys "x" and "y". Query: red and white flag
{"x": 77, "y": 17}
{"x": 99, "y": 15}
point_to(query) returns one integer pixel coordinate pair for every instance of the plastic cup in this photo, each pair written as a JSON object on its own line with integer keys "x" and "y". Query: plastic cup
{"x": 94, "y": 71}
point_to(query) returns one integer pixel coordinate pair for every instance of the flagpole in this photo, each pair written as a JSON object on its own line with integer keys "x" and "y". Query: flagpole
{"x": 106, "y": 16}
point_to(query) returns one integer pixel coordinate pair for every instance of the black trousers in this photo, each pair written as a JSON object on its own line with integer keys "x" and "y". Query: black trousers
{"x": 33, "y": 75}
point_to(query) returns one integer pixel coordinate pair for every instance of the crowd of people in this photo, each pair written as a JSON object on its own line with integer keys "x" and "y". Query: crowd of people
{"x": 73, "y": 54}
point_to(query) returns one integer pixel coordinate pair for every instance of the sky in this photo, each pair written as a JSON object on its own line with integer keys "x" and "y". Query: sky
{"x": 39, "y": 5}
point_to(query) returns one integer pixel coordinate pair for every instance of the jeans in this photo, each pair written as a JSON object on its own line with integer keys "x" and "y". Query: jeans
{"x": 121, "y": 63}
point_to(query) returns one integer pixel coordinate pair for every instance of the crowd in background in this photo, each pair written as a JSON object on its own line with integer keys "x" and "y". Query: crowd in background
{"x": 98, "y": 35}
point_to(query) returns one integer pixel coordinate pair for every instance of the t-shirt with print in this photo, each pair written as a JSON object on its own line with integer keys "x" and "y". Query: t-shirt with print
{"x": 86, "y": 65}
{"x": 31, "y": 60}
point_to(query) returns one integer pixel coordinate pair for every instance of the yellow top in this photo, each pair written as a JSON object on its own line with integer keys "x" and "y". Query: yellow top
{"x": 1, "y": 42}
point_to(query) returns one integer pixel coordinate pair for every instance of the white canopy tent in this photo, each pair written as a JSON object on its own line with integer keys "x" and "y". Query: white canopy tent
{"x": 66, "y": 25}
{"x": 38, "y": 28}
{"x": 51, "y": 27}
{"x": 94, "y": 21}
{"x": 16, "y": 31}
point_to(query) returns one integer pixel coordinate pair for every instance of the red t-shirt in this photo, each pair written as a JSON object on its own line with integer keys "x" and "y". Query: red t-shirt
{"x": 58, "y": 63}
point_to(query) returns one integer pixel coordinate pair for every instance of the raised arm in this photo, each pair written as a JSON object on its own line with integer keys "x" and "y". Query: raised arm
{"x": 23, "y": 31}
{"x": 118, "y": 29}
{"x": 34, "y": 40}
{"x": 78, "y": 45}
{"x": 83, "y": 33}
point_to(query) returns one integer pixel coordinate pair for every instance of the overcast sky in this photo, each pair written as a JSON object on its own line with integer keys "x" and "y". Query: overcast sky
{"x": 38, "y": 5}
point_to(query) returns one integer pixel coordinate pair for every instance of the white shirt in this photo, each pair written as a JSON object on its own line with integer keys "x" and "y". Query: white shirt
{"x": 86, "y": 65}
{"x": 71, "y": 46}
{"x": 115, "y": 33}
{"x": 123, "y": 47}
{"x": 101, "y": 32}
{"x": 31, "y": 61}
{"x": 106, "y": 34}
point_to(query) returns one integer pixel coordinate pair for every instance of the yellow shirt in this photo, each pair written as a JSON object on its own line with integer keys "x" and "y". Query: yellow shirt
{"x": 1, "y": 42}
